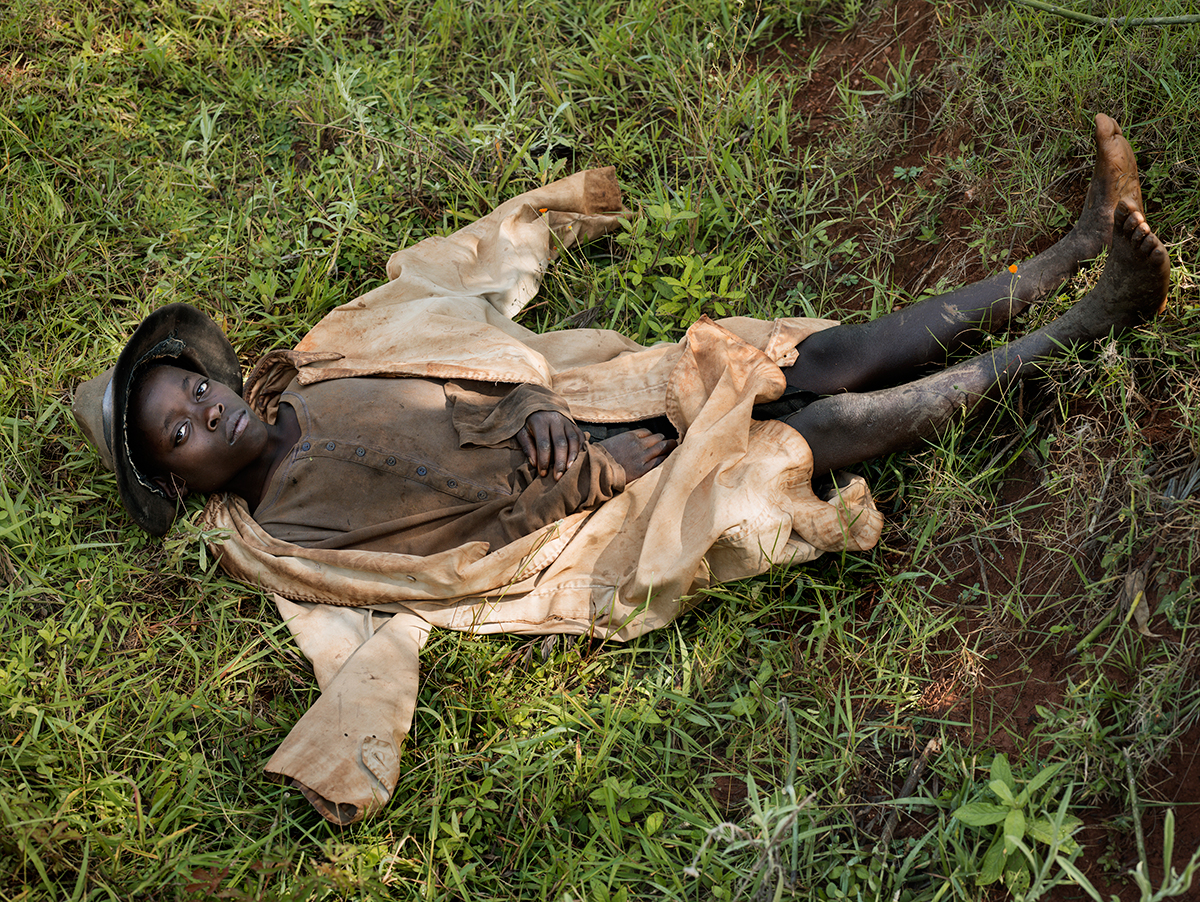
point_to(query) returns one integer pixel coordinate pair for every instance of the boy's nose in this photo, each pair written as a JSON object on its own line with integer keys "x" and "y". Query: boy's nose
{"x": 214, "y": 416}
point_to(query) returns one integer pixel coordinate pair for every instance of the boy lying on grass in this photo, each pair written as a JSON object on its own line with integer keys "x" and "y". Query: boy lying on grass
{"x": 419, "y": 459}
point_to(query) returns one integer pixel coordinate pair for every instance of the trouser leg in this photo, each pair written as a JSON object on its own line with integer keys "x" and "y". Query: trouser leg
{"x": 848, "y": 428}
{"x": 845, "y": 429}
{"x": 896, "y": 347}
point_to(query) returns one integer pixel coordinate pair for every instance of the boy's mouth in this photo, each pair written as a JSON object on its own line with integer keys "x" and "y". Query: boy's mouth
{"x": 240, "y": 419}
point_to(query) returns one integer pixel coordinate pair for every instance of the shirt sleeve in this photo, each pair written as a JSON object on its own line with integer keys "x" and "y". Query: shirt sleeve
{"x": 490, "y": 413}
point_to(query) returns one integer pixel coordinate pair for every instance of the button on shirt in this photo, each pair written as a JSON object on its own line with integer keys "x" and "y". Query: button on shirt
{"x": 380, "y": 466}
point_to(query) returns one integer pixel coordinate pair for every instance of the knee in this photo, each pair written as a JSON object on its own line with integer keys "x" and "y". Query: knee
{"x": 829, "y": 418}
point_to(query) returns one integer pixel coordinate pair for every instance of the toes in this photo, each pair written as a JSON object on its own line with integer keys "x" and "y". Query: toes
{"x": 1132, "y": 221}
{"x": 1135, "y": 227}
{"x": 1106, "y": 127}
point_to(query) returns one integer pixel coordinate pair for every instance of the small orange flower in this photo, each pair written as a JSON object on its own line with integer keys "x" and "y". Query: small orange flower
{"x": 1012, "y": 267}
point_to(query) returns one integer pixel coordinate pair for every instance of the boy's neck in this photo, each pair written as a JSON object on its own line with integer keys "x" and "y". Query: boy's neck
{"x": 282, "y": 436}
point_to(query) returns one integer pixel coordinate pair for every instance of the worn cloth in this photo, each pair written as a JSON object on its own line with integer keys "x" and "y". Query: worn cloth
{"x": 397, "y": 465}
{"x": 734, "y": 499}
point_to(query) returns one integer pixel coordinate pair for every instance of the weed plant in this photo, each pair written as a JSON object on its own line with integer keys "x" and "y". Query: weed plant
{"x": 261, "y": 158}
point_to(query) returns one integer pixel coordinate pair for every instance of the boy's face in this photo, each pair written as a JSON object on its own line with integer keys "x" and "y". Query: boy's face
{"x": 196, "y": 430}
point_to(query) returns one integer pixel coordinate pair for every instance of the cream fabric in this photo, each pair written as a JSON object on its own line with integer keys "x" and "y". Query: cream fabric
{"x": 734, "y": 499}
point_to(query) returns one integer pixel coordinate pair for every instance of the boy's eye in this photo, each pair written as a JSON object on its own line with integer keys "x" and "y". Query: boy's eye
{"x": 201, "y": 388}
{"x": 180, "y": 433}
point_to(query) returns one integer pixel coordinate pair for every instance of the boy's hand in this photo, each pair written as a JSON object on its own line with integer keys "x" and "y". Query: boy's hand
{"x": 551, "y": 441}
{"x": 639, "y": 451}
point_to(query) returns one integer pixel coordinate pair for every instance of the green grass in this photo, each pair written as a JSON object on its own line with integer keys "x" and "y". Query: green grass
{"x": 262, "y": 158}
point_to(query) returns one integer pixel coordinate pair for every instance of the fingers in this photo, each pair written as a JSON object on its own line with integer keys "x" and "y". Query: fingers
{"x": 658, "y": 452}
{"x": 537, "y": 442}
{"x": 575, "y": 438}
{"x": 560, "y": 449}
{"x": 551, "y": 442}
{"x": 639, "y": 451}
{"x": 525, "y": 440}
{"x": 648, "y": 439}
{"x": 567, "y": 438}
{"x": 545, "y": 447}
{"x": 663, "y": 450}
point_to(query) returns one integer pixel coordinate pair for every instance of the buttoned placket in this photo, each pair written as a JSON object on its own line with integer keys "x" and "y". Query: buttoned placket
{"x": 397, "y": 464}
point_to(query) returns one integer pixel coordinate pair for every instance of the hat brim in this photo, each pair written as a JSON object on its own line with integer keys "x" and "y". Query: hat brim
{"x": 207, "y": 351}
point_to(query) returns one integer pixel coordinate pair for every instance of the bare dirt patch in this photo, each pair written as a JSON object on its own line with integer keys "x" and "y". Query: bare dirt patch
{"x": 894, "y": 62}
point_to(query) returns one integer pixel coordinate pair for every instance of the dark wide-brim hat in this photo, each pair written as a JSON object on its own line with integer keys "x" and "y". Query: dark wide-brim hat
{"x": 178, "y": 335}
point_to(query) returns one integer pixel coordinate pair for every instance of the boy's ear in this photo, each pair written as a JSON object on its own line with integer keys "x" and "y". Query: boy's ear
{"x": 172, "y": 486}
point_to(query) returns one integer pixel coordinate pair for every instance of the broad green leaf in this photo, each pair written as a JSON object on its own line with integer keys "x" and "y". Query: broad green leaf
{"x": 993, "y": 864}
{"x": 1003, "y": 791}
{"x": 981, "y": 814}
{"x": 649, "y": 716}
{"x": 1044, "y": 776}
{"x": 743, "y": 706}
{"x": 1042, "y": 830}
{"x": 1016, "y": 877}
{"x": 654, "y": 822}
{"x": 1026, "y": 852}
{"x": 600, "y": 890}
{"x": 1002, "y": 772}
{"x": 1014, "y": 829}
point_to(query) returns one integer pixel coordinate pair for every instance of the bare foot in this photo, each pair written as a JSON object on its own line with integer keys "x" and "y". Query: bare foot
{"x": 1114, "y": 181}
{"x": 1133, "y": 287}
{"x": 639, "y": 451}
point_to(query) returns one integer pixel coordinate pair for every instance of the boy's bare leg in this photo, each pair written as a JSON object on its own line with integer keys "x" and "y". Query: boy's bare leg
{"x": 845, "y": 429}
{"x": 892, "y": 348}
